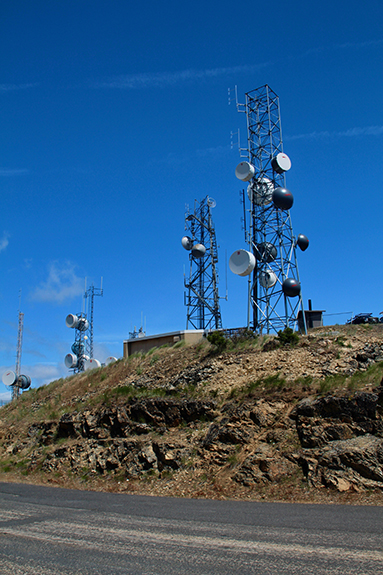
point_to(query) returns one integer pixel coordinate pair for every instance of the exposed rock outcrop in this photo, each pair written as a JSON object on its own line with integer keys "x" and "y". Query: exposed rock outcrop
{"x": 234, "y": 424}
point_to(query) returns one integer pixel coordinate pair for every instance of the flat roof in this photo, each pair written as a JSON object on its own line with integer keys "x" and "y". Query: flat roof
{"x": 171, "y": 333}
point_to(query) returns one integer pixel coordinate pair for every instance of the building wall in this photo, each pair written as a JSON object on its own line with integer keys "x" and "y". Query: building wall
{"x": 313, "y": 319}
{"x": 144, "y": 344}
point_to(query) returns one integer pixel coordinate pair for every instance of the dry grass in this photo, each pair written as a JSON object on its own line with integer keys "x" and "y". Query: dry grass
{"x": 241, "y": 373}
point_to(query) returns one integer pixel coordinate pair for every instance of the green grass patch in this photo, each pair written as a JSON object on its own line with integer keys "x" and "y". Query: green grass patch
{"x": 271, "y": 382}
{"x": 331, "y": 382}
{"x": 154, "y": 358}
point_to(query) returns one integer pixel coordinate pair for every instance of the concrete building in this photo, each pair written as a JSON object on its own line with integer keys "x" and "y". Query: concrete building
{"x": 144, "y": 344}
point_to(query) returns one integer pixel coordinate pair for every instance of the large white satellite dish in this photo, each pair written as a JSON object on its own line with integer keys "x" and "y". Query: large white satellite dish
{"x": 70, "y": 360}
{"x": 281, "y": 163}
{"x": 91, "y": 364}
{"x": 244, "y": 171}
{"x": 9, "y": 377}
{"x": 242, "y": 263}
{"x": 76, "y": 322}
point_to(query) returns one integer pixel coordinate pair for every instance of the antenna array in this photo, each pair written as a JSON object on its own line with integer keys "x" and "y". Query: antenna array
{"x": 201, "y": 297}
{"x": 81, "y": 357}
{"x": 274, "y": 294}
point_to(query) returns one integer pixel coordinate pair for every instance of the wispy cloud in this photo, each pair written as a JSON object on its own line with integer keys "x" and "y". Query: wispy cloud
{"x": 162, "y": 79}
{"x": 4, "y": 241}
{"x": 6, "y": 172}
{"x": 43, "y": 373}
{"x": 5, "y": 397}
{"x": 331, "y": 47}
{"x": 365, "y": 44}
{"x": 61, "y": 285}
{"x": 352, "y": 132}
{"x": 13, "y": 87}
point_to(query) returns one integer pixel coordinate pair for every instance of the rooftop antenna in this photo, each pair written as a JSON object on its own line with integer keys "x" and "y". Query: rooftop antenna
{"x": 201, "y": 296}
{"x": 274, "y": 294}
{"x": 14, "y": 379}
{"x": 141, "y": 331}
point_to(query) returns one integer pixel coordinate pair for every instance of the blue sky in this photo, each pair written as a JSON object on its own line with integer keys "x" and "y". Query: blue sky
{"x": 114, "y": 116}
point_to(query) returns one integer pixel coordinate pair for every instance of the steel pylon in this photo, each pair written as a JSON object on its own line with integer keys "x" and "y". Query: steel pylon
{"x": 201, "y": 296}
{"x": 269, "y": 231}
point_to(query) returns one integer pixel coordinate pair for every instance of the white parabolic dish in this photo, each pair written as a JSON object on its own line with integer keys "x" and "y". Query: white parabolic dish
{"x": 110, "y": 359}
{"x": 70, "y": 360}
{"x": 91, "y": 364}
{"x": 267, "y": 279}
{"x": 244, "y": 171}
{"x": 9, "y": 378}
{"x": 281, "y": 163}
{"x": 242, "y": 263}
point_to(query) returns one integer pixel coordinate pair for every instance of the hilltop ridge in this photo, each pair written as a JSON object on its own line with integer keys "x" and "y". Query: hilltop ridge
{"x": 257, "y": 420}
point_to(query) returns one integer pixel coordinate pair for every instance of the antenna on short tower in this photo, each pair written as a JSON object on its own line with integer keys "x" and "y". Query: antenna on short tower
{"x": 14, "y": 379}
{"x": 201, "y": 297}
{"x": 81, "y": 357}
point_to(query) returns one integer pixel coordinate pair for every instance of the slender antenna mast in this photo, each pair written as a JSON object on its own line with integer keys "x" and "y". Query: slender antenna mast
{"x": 15, "y": 387}
{"x": 90, "y": 293}
{"x": 14, "y": 379}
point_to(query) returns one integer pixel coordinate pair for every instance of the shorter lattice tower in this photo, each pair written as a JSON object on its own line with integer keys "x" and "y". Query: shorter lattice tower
{"x": 81, "y": 357}
{"x": 201, "y": 296}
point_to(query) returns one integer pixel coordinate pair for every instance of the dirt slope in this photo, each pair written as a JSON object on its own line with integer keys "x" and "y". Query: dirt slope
{"x": 294, "y": 423}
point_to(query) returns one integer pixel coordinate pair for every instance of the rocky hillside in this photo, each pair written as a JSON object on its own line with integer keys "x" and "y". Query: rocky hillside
{"x": 256, "y": 420}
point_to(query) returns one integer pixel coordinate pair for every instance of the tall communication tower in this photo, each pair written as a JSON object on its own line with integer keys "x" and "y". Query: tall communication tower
{"x": 81, "y": 357}
{"x": 201, "y": 297}
{"x": 274, "y": 295}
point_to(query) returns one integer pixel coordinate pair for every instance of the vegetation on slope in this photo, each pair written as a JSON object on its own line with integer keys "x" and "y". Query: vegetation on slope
{"x": 230, "y": 386}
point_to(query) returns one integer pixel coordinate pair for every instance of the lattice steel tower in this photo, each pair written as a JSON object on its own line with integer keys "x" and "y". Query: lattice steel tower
{"x": 271, "y": 263}
{"x": 81, "y": 357}
{"x": 201, "y": 297}
{"x": 89, "y": 296}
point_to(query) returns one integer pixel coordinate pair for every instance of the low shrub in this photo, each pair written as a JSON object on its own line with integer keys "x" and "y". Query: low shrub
{"x": 218, "y": 340}
{"x": 288, "y": 337}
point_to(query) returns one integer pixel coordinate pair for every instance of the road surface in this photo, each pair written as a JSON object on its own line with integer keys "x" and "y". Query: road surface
{"x": 51, "y": 531}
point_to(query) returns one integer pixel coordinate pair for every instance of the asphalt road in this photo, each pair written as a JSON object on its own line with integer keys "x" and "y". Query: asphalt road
{"x": 49, "y": 531}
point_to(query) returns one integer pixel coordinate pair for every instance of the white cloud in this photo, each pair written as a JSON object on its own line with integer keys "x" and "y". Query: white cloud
{"x": 4, "y": 241}
{"x": 160, "y": 79}
{"x": 7, "y": 172}
{"x": 350, "y": 133}
{"x": 43, "y": 373}
{"x": 61, "y": 285}
{"x": 5, "y": 397}
{"x": 13, "y": 87}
